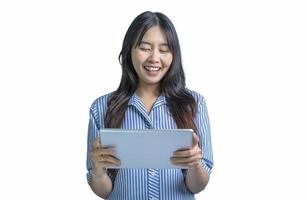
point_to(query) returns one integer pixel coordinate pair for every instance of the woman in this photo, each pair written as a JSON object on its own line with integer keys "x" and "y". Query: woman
{"x": 151, "y": 94}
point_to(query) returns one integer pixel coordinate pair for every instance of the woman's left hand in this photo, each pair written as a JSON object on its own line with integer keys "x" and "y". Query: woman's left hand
{"x": 188, "y": 157}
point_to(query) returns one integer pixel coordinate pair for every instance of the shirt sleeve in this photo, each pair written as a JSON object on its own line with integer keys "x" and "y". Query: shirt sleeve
{"x": 203, "y": 125}
{"x": 93, "y": 132}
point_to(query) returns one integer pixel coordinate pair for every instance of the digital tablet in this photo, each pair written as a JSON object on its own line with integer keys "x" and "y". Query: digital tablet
{"x": 146, "y": 148}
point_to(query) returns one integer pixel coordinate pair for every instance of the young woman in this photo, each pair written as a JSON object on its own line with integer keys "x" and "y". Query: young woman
{"x": 152, "y": 94}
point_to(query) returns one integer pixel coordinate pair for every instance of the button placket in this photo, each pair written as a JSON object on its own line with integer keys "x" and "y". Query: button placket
{"x": 153, "y": 184}
{"x": 153, "y": 174}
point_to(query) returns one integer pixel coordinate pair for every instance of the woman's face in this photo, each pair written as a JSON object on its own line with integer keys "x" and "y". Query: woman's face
{"x": 152, "y": 58}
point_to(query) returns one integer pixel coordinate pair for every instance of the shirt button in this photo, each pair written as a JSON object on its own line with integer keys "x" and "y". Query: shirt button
{"x": 153, "y": 198}
{"x": 152, "y": 173}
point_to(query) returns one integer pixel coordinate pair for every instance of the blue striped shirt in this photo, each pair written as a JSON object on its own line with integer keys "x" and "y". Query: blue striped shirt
{"x": 136, "y": 184}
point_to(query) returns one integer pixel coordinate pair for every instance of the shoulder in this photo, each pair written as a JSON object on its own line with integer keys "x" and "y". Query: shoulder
{"x": 100, "y": 104}
{"x": 199, "y": 98}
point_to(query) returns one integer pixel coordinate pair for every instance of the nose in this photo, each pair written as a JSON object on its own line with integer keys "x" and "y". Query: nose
{"x": 154, "y": 56}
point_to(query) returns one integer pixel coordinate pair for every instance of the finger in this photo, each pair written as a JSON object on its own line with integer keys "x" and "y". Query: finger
{"x": 96, "y": 143}
{"x": 187, "y": 153}
{"x": 188, "y": 165}
{"x": 98, "y": 155}
{"x": 184, "y": 149}
{"x": 195, "y": 139}
{"x": 108, "y": 165}
{"x": 105, "y": 161}
{"x": 112, "y": 160}
{"x": 195, "y": 164}
{"x": 106, "y": 151}
{"x": 185, "y": 164}
{"x": 186, "y": 160}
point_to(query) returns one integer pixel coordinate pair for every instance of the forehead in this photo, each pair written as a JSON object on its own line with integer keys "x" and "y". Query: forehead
{"x": 155, "y": 35}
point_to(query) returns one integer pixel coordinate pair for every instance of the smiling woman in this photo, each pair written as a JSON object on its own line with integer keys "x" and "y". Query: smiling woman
{"x": 151, "y": 95}
{"x": 151, "y": 58}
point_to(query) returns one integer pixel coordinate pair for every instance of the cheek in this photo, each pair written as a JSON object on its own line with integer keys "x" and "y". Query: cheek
{"x": 168, "y": 60}
{"x": 134, "y": 63}
{"x": 140, "y": 58}
{"x": 136, "y": 58}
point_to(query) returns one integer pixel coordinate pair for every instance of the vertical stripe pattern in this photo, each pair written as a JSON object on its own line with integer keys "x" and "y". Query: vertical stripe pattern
{"x": 151, "y": 184}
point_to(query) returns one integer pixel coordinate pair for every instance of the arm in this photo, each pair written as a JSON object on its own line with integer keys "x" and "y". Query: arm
{"x": 197, "y": 177}
{"x": 199, "y": 158}
{"x": 101, "y": 183}
{"x": 98, "y": 159}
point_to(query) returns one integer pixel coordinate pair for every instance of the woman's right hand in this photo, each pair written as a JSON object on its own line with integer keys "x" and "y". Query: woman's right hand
{"x": 103, "y": 157}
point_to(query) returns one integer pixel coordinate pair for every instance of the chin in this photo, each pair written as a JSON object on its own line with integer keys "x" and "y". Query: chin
{"x": 152, "y": 82}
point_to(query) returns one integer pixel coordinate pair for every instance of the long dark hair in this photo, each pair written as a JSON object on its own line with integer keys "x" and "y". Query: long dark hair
{"x": 180, "y": 102}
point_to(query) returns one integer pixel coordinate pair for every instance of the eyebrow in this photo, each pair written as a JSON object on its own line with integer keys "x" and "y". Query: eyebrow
{"x": 148, "y": 43}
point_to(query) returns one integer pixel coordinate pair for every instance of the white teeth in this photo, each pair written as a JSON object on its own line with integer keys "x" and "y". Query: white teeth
{"x": 152, "y": 68}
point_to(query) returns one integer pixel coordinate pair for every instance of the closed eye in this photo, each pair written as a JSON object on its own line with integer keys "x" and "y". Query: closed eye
{"x": 164, "y": 50}
{"x": 144, "y": 49}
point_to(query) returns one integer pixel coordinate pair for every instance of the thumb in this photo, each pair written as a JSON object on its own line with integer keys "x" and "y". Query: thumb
{"x": 96, "y": 143}
{"x": 195, "y": 139}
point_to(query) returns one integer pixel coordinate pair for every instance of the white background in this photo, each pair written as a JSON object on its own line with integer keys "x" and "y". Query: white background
{"x": 246, "y": 57}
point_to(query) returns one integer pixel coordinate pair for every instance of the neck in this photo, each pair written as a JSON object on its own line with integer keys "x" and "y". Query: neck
{"x": 148, "y": 91}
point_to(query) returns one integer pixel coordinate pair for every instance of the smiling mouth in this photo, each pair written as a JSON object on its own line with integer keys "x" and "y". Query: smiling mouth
{"x": 152, "y": 68}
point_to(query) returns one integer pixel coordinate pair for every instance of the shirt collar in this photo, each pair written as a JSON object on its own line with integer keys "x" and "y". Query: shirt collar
{"x": 136, "y": 100}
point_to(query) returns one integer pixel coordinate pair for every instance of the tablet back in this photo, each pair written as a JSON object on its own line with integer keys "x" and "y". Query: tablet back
{"x": 148, "y": 148}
